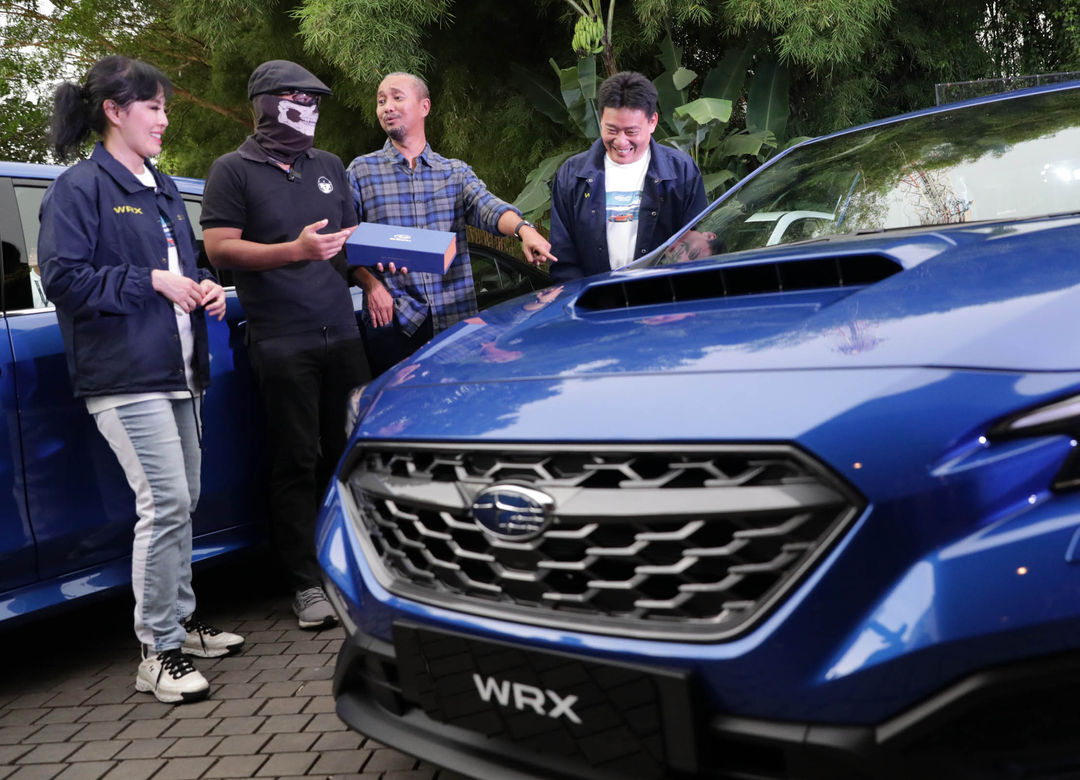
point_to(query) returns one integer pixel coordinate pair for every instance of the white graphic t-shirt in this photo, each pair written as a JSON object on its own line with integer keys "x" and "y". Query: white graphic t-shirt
{"x": 623, "y": 184}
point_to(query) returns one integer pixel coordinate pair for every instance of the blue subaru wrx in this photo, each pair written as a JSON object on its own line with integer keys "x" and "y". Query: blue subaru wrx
{"x": 795, "y": 496}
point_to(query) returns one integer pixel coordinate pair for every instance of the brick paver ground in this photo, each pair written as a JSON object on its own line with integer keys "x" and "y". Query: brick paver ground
{"x": 69, "y": 709}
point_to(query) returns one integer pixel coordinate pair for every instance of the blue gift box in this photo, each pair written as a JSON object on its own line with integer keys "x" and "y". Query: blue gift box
{"x": 414, "y": 248}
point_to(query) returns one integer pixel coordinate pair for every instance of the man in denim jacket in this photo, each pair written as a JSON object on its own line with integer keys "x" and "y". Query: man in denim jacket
{"x": 627, "y": 194}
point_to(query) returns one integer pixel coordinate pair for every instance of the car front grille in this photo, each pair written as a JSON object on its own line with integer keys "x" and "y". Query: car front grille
{"x": 681, "y": 542}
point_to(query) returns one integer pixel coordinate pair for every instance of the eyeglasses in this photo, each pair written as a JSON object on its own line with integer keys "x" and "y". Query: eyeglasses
{"x": 300, "y": 98}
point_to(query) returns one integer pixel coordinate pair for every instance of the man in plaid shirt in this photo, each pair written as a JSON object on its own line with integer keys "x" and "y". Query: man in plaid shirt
{"x": 407, "y": 183}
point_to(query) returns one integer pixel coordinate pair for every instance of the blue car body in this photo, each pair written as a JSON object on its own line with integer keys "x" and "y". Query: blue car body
{"x": 805, "y": 510}
{"x": 66, "y": 511}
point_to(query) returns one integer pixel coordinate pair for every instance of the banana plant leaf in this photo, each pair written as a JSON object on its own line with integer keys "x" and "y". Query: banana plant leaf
{"x": 717, "y": 179}
{"x": 739, "y": 144}
{"x": 536, "y": 195}
{"x": 717, "y": 135}
{"x": 767, "y": 102}
{"x": 669, "y": 95}
{"x": 682, "y": 78}
{"x": 684, "y": 142}
{"x": 541, "y": 96}
{"x": 705, "y": 110}
{"x": 726, "y": 80}
{"x": 670, "y": 55}
{"x": 586, "y": 71}
{"x": 689, "y": 142}
{"x": 582, "y": 112}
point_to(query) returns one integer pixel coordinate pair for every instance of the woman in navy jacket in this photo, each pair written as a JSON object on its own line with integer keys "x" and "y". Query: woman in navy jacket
{"x": 118, "y": 261}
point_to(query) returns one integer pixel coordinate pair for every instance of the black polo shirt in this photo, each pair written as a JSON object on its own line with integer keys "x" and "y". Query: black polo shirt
{"x": 245, "y": 190}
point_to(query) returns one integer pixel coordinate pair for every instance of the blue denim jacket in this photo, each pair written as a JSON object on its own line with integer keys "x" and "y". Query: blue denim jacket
{"x": 101, "y": 236}
{"x": 673, "y": 195}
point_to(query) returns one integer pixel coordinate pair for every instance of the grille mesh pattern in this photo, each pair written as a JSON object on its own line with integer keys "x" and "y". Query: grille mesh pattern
{"x": 671, "y": 542}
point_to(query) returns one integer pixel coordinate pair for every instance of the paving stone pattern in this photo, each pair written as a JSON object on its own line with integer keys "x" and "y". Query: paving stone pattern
{"x": 69, "y": 709}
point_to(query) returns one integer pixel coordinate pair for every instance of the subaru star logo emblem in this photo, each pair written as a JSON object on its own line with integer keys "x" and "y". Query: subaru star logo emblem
{"x": 513, "y": 512}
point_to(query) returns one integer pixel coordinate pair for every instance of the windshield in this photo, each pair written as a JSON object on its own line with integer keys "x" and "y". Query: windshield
{"x": 1009, "y": 159}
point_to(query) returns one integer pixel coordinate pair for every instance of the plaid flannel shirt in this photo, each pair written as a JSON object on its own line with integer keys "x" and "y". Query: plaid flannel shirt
{"x": 439, "y": 194}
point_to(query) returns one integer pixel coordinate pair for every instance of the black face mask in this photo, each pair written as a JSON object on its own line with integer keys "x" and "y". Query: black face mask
{"x": 284, "y": 129}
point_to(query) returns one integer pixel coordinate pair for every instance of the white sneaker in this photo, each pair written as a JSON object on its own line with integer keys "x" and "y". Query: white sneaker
{"x": 209, "y": 642}
{"x": 171, "y": 677}
{"x": 313, "y": 610}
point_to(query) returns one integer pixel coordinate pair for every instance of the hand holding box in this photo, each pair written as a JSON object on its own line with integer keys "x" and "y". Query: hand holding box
{"x": 417, "y": 249}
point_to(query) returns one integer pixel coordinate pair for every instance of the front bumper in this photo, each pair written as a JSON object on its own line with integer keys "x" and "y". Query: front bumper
{"x": 631, "y": 722}
{"x": 1014, "y": 721}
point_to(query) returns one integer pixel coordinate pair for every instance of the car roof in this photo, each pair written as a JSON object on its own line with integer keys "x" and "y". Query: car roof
{"x": 20, "y": 170}
{"x": 30, "y": 170}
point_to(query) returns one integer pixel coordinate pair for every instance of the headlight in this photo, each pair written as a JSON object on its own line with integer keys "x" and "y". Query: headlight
{"x": 1061, "y": 418}
{"x": 356, "y": 403}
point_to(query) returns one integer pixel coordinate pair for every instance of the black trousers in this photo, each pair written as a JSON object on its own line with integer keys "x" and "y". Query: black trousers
{"x": 304, "y": 381}
{"x": 387, "y": 346}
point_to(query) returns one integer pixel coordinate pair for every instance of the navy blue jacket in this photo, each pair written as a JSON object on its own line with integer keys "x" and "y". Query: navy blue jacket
{"x": 673, "y": 194}
{"x": 101, "y": 237}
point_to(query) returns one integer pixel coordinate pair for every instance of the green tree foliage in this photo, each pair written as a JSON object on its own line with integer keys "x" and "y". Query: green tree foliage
{"x": 846, "y": 60}
{"x": 855, "y": 60}
{"x": 42, "y": 47}
{"x": 23, "y": 117}
{"x": 209, "y": 47}
{"x": 364, "y": 37}
{"x": 812, "y": 33}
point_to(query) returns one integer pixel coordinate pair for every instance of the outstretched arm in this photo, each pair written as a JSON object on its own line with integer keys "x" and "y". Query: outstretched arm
{"x": 535, "y": 246}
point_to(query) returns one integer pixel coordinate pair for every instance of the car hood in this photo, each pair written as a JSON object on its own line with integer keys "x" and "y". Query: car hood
{"x": 1003, "y": 297}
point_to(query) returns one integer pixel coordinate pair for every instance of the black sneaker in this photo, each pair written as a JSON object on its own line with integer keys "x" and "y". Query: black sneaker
{"x": 209, "y": 642}
{"x": 171, "y": 677}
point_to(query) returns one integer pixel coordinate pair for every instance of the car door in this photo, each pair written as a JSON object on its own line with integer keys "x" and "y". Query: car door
{"x": 66, "y": 511}
{"x": 233, "y": 499}
{"x": 17, "y": 552}
{"x": 77, "y": 500}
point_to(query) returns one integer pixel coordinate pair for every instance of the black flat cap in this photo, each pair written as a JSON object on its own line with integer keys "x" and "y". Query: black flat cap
{"x": 276, "y": 75}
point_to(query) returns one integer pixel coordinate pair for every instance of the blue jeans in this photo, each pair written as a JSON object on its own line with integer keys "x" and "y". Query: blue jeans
{"x": 157, "y": 444}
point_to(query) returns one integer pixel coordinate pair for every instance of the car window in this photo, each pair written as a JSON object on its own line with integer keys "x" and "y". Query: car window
{"x": 194, "y": 212}
{"x": 513, "y": 278}
{"x": 486, "y": 277}
{"x": 193, "y": 204}
{"x": 982, "y": 162}
{"x": 23, "y": 286}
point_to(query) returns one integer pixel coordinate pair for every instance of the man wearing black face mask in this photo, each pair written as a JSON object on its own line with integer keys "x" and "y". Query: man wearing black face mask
{"x": 277, "y": 212}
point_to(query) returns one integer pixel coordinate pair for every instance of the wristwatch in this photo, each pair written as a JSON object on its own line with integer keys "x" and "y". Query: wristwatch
{"x": 520, "y": 225}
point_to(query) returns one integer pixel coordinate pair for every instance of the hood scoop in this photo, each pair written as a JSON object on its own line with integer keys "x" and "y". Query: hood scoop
{"x": 730, "y": 281}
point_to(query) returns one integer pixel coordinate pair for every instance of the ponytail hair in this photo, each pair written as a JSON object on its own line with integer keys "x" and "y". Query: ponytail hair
{"x": 78, "y": 109}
